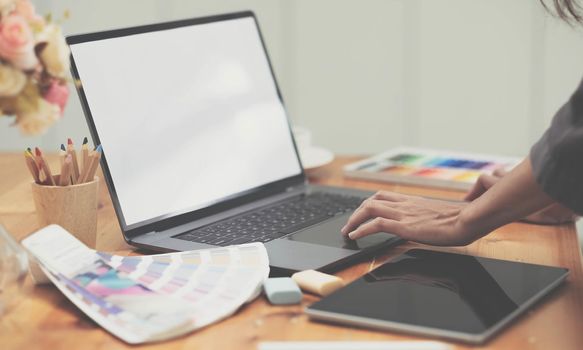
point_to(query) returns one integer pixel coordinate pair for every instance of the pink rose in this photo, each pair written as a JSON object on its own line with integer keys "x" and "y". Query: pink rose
{"x": 57, "y": 94}
{"x": 17, "y": 42}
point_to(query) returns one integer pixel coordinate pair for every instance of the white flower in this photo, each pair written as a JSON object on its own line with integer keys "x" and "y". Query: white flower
{"x": 36, "y": 121}
{"x": 55, "y": 55}
{"x": 11, "y": 81}
{"x": 6, "y": 5}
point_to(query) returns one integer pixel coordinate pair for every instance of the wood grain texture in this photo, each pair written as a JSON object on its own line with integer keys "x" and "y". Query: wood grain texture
{"x": 73, "y": 207}
{"x": 44, "y": 319}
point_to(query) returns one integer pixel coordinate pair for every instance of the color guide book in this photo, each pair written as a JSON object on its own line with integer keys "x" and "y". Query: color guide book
{"x": 417, "y": 166}
{"x": 150, "y": 298}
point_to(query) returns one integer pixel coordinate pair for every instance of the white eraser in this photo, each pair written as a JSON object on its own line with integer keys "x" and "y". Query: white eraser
{"x": 317, "y": 282}
{"x": 282, "y": 291}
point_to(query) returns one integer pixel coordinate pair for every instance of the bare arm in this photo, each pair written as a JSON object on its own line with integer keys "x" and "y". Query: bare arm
{"x": 553, "y": 214}
{"x": 512, "y": 198}
{"x": 436, "y": 222}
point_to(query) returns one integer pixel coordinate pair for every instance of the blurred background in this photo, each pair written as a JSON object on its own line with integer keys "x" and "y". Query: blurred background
{"x": 368, "y": 75}
{"x": 365, "y": 76}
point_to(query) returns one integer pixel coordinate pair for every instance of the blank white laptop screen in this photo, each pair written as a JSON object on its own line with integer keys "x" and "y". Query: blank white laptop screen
{"x": 186, "y": 116}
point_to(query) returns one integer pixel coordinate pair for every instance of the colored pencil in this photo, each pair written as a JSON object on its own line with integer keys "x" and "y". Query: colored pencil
{"x": 65, "y": 178}
{"x": 71, "y": 151}
{"x": 89, "y": 172}
{"x": 62, "y": 154}
{"x": 94, "y": 164}
{"x": 44, "y": 167}
{"x": 31, "y": 164}
{"x": 85, "y": 153}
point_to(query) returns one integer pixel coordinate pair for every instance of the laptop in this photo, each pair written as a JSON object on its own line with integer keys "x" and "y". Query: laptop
{"x": 197, "y": 146}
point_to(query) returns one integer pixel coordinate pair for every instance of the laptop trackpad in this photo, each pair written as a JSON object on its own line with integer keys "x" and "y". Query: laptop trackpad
{"x": 328, "y": 234}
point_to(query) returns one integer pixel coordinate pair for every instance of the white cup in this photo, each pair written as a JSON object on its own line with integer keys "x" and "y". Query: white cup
{"x": 303, "y": 137}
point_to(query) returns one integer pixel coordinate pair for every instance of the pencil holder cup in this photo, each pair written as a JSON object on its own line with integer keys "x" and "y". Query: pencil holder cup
{"x": 72, "y": 207}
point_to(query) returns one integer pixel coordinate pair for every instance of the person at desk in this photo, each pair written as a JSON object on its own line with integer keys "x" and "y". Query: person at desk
{"x": 545, "y": 188}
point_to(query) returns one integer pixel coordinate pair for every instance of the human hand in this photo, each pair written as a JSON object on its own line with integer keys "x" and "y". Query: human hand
{"x": 483, "y": 184}
{"x": 553, "y": 214}
{"x": 418, "y": 219}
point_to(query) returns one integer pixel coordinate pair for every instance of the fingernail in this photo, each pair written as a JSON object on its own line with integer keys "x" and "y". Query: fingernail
{"x": 352, "y": 235}
{"x": 343, "y": 229}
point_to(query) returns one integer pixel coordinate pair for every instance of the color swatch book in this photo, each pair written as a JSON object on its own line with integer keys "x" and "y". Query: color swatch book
{"x": 150, "y": 298}
{"x": 417, "y": 166}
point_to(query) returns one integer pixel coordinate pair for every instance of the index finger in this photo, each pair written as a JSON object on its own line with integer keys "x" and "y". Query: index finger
{"x": 371, "y": 209}
{"x": 389, "y": 196}
{"x": 483, "y": 183}
{"x": 500, "y": 171}
{"x": 382, "y": 195}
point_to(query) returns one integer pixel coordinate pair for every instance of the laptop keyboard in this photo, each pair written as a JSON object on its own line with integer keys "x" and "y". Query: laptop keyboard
{"x": 274, "y": 221}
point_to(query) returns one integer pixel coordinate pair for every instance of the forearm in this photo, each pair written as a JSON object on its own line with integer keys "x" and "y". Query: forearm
{"x": 515, "y": 196}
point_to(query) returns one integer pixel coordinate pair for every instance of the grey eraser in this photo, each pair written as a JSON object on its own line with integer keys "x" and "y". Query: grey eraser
{"x": 282, "y": 290}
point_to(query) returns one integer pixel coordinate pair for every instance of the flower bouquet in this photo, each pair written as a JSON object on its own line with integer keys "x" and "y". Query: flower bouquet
{"x": 34, "y": 66}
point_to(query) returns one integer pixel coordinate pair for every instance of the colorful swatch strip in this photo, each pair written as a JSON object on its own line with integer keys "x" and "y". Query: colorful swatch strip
{"x": 437, "y": 167}
{"x": 428, "y": 167}
{"x": 154, "y": 297}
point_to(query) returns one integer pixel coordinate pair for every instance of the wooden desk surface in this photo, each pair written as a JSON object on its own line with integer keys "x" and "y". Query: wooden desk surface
{"x": 46, "y": 319}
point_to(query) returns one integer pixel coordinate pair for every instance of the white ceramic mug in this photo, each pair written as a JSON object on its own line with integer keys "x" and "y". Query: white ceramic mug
{"x": 303, "y": 137}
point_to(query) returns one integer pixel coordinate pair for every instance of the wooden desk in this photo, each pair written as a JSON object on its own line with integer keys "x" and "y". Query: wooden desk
{"x": 45, "y": 319}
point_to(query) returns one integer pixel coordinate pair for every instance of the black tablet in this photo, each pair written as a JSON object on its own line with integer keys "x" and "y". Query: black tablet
{"x": 440, "y": 294}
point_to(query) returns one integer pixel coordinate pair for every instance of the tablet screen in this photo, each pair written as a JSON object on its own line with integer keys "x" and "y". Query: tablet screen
{"x": 445, "y": 292}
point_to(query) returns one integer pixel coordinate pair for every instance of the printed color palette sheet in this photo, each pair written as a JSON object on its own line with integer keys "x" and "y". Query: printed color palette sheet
{"x": 428, "y": 167}
{"x": 149, "y": 298}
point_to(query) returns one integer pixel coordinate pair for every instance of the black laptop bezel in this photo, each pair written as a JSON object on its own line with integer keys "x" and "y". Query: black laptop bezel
{"x": 170, "y": 220}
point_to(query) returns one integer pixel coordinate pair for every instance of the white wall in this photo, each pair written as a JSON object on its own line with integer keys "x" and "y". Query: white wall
{"x": 477, "y": 75}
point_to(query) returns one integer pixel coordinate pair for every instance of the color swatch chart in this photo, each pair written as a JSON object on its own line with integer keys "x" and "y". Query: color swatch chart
{"x": 416, "y": 166}
{"x": 438, "y": 167}
{"x": 211, "y": 280}
{"x": 150, "y": 298}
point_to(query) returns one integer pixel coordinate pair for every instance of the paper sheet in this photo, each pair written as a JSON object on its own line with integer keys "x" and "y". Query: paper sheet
{"x": 149, "y": 298}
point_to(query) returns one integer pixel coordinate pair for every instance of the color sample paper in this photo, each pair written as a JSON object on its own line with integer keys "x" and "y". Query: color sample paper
{"x": 439, "y": 167}
{"x": 428, "y": 167}
{"x": 149, "y": 298}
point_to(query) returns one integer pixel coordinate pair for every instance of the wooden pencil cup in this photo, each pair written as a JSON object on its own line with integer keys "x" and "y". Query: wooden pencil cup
{"x": 73, "y": 207}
